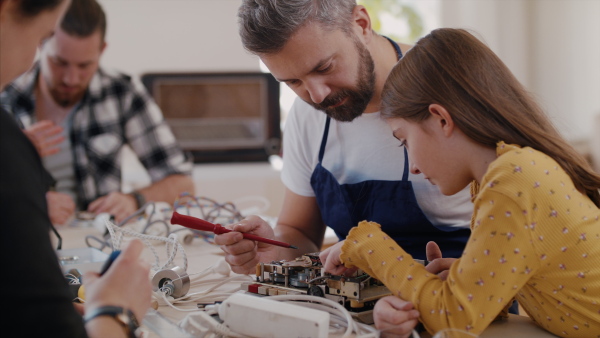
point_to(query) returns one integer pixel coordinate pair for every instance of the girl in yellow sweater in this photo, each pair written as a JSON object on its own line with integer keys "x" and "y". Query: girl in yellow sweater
{"x": 465, "y": 119}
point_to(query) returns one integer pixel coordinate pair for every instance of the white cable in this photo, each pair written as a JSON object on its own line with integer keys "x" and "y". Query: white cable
{"x": 253, "y": 210}
{"x": 172, "y": 244}
{"x": 340, "y": 315}
{"x": 221, "y": 267}
{"x": 168, "y": 302}
{"x": 351, "y": 324}
{"x": 337, "y": 317}
{"x": 191, "y": 324}
{"x": 243, "y": 278}
{"x": 207, "y": 295}
{"x": 212, "y": 298}
{"x": 225, "y": 278}
{"x": 196, "y": 319}
{"x": 203, "y": 295}
{"x": 340, "y": 318}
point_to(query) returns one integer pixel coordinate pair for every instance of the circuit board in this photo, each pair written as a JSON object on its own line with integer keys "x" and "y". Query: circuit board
{"x": 304, "y": 275}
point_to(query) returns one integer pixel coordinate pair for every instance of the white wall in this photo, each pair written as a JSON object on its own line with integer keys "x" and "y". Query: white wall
{"x": 174, "y": 35}
{"x": 566, "y": 62}
{"x": 552, "y": 46}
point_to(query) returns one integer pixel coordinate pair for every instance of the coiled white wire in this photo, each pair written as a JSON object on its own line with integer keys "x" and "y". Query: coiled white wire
{"x": 172, "y": 245}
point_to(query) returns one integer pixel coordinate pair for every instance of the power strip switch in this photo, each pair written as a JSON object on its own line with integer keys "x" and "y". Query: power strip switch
{"x": 261, "y": 317}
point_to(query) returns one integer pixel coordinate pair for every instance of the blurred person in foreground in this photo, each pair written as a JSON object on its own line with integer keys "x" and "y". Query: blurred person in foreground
{"x": 41, "y": 305}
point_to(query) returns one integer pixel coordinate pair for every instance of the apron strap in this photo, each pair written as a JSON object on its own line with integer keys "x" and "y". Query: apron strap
{"x": 324, "y": 140}
{"x": 396, "y": 47}
{"x": 328, "y": 121}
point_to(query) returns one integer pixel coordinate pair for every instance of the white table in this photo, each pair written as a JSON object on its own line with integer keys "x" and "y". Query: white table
{"x": 202, "y": 255}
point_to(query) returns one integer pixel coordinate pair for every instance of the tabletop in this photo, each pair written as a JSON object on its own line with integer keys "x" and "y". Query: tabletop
{"x": 211, "y": 280}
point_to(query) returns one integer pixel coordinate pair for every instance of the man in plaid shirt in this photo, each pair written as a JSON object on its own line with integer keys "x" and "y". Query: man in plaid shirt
{"x": 80, "y": 116}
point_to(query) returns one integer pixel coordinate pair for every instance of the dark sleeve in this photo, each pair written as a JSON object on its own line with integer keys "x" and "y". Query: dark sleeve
{"x": 36, "y": 299}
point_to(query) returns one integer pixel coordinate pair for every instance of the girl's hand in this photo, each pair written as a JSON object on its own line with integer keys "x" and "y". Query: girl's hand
{"x": 330, "y": 258}
{"x": 438, "y": 265}
{"x": 395, "y": 317}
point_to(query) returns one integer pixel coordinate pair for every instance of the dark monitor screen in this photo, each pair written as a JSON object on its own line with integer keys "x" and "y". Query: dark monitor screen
{"x": 220, "y": 116}
{"x": 211, "y": 97}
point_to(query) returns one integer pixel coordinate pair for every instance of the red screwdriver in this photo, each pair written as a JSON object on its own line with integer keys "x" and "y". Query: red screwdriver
{"x": 202, "y": 225}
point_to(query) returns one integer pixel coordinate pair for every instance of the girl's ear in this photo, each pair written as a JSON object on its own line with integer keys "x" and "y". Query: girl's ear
{"x": 442, "y": 118}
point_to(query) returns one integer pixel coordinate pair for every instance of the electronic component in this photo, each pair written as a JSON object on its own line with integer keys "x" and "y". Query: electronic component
{"x": 84, "y": 260}
{"x": 174, "y": 282}
{"x": 271, "y": 318}
{"x": 304, "y": 275}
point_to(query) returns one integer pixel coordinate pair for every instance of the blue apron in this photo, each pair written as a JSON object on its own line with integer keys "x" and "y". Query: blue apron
{"x": 392, "y": 204}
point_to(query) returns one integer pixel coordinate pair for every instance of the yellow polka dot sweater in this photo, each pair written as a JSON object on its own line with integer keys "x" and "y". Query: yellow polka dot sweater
{"x": 534, "y": 237}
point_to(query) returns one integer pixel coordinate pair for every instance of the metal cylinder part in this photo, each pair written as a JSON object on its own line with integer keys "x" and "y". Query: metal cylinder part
{"x": 188, "y": 236}
{"x": 177, "y": 279}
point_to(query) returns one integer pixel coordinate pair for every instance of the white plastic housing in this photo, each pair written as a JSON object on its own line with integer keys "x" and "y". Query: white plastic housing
{"x": 261, "y": 317}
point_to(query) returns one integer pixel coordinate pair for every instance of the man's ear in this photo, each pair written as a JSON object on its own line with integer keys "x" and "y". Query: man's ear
{"x": 103, "y": 47}
{"x": 362, "y": 23}
{"x": 443, "y": 119}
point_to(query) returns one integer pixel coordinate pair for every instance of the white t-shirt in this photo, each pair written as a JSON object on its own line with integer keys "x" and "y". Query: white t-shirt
{"x": 60, "y": 166}
{"x": 357, "y": 151}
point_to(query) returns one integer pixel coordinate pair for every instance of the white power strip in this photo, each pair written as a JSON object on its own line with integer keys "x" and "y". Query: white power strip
{"x": 261, "y": 317}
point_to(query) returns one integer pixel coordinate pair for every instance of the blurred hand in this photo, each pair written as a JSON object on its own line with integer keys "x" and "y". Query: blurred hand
{"x": 60, "y": 207}
{"x": 80, "y": 308}
{"x": 116, "y": 203}
{"x": 243, "y": 254}
{"x": 437, "y": 264}
{"x": 394, "y": 317}
{"x": 330, "y": 258}
{"x": 126, "y": 283}
{"x": 45, "y": 136}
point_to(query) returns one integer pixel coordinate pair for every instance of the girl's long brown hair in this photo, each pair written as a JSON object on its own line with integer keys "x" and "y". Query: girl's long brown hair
{"x": 452, "y": 68}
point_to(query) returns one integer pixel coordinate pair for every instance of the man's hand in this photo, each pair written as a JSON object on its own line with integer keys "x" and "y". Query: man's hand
{"x": 330, "y": 258}
{"x": 60, "y": 207}
{"x": 437, "y": 264}
{"x": 116, "y": 203}
{"x": 125, "y": 283}
{"x": 45, "y": 136}
{"x": 394, "y": 317}
{"x": 243, "y": 254}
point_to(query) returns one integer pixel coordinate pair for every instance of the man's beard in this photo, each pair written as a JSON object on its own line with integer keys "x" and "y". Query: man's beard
{"x": 63, "y": 100}
{"x": 357, "y": 99}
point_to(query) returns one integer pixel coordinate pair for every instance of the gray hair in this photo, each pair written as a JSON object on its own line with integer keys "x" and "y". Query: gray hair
{"x": 266, "y": 25}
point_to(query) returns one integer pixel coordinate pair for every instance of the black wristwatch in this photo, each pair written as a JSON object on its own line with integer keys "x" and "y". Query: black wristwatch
{"x": 124, "y": 316}
{"x": 140, "y": 200}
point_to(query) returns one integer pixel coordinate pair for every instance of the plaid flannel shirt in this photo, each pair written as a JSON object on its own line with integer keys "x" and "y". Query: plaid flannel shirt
{"x": 113, "y": 112}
